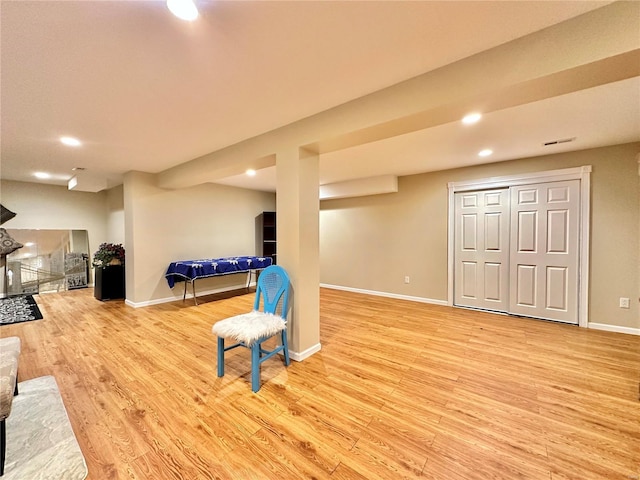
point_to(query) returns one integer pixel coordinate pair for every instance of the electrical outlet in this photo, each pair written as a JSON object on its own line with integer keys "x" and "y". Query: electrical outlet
{"x": 406, "y": 279}
{"x": 624, "y": 302}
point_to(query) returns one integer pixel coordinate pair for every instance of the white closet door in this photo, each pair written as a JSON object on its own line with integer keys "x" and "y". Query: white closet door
{"x": 544, "y": 251}
{"x": 481, "y": 277}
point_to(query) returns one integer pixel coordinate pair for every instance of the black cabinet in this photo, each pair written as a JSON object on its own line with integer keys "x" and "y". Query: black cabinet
{"x": 109, "y": 282}
{"x": 266, "y": 245}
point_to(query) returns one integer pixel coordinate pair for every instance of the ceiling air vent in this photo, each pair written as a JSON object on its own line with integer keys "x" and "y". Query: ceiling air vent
{"x": 557, "y": 142}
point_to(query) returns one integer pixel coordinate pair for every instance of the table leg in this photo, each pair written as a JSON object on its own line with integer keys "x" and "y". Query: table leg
{"x": 193, "y": 287}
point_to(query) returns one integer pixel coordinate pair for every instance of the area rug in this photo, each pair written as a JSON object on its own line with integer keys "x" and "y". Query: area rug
{"x": 19, "y": 308}
{"x": 40, "y": 441}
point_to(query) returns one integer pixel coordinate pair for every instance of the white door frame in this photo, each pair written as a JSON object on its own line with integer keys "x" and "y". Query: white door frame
{"x": 578, "y": 173}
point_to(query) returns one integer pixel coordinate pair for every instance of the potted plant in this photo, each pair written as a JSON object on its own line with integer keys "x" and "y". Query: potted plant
{"x": 109, "y": 271}
{"x": 109, "y": 254}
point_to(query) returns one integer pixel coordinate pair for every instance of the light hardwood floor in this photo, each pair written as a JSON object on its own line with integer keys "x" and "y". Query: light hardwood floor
{"x": 399, "y": 390}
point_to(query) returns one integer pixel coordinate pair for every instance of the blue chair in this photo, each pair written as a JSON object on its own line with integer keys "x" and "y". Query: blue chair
{"x": 249, "y": 330}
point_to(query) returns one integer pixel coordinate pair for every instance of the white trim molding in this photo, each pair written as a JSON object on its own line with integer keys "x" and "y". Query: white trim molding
{"x": 582, "y": 173}
{"x": 385, "y": 294}
{"x": 614, "y": 328}
{"x": 300, "y": 356}
{"x": 559, "y": 175}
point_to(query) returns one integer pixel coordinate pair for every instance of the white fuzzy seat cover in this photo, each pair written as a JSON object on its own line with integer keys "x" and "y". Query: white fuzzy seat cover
{"x": 249, "y": 327}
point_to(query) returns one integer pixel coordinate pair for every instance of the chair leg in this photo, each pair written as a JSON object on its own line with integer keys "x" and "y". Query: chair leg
{"x": 3, "y": 445}
{"x": 255, "y": 367}
{"x": 220, "y": 356}
{"x": 285, "y": 344}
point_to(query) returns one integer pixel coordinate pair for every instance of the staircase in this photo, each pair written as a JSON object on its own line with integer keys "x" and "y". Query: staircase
{"x": 42, "y": 278}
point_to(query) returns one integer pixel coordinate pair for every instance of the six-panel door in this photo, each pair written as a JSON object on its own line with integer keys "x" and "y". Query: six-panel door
{"x": 544, "y": 251}
{"x": 482, "y": 249}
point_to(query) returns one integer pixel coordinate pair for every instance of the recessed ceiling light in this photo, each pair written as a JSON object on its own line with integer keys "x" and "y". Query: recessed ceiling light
{"x": 251, "y": 172}
{"x": 42, "y": 175}
{"x": 70, "y": 141}
{"x": 183, "y": 9}
{"x": 485, "y": 153}
{"x": 471, "y": 118}
{"x": 29, "y": 244}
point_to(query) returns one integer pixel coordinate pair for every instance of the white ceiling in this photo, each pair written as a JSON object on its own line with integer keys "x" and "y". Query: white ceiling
{"x": 146, "y": 91}
{"x": 604, "y": 115}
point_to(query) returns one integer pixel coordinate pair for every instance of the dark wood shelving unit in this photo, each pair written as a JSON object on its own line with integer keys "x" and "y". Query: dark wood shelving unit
{"x": 266, "y": 241}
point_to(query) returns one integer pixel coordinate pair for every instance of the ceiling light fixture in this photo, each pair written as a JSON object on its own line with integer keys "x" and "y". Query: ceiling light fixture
{"x": 485, "y": 153}
{"x": 70, "y": 141}
{"x": 251, "y": 172}
{"x": 42, "y": 175}
{"x": 183, "y": 9}
{"x": 471, "y": 118}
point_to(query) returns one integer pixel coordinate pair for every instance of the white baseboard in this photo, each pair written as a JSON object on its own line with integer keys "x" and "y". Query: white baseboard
{"x": 149, "y": 303}
{"x": 189, "y": 296}
{"x": 386, "y": 294}
{"x": 300, "y": 356}
{"x": 613, "y": 328}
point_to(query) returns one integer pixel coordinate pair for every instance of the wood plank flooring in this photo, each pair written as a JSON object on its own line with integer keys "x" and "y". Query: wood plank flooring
{"x": 399, "y": 390}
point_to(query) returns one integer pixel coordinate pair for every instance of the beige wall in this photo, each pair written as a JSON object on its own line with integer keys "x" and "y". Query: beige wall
{"x": 55, "y": 207}
{"x": 163, "y": 226}
{"x": 204, "y": 221}
{"x": 372, "y": 243}
{"x": 115, "y": 214}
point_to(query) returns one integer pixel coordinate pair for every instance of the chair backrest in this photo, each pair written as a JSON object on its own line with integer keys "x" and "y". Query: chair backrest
{"x": 273, "y": 291}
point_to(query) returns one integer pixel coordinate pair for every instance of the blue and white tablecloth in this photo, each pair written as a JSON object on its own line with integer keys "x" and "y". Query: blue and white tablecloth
{"x": 211, "y": 267}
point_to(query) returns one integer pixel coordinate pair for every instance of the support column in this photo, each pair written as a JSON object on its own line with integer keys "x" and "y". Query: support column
{"x": 298, "y": 206}
{"x": 140, "y": 217}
